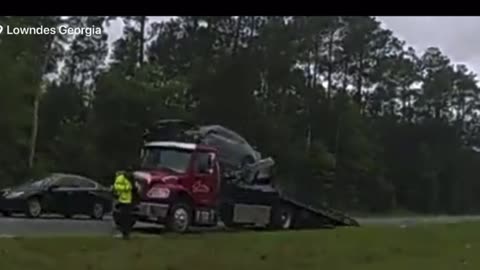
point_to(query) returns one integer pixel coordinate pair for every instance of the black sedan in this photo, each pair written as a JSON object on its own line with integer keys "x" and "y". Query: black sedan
{"x": 58, "y": 193}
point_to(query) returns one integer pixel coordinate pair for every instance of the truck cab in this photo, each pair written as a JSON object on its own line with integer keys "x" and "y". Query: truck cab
{"x": 177, "y": 184}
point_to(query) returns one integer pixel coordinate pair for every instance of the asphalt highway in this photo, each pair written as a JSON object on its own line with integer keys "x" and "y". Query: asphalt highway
{"x": 58, "y": 226}
{"x": 22, "y": 226}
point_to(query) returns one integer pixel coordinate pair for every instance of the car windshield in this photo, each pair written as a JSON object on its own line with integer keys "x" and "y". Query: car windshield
{"x": 166, "y": 158}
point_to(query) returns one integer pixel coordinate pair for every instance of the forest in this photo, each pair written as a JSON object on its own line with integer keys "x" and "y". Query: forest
{"x": 353, "y": 116}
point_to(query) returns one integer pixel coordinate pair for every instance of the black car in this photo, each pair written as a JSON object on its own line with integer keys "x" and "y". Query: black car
{"x": 234, "y": 151}
{"x": 58, "y": 193}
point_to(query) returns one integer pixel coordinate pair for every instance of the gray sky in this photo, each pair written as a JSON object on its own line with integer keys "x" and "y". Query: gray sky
{"x": 457, "y": 37}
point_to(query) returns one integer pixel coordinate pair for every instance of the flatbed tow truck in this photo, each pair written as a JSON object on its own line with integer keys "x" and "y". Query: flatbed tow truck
{"x": 187, "y": 182}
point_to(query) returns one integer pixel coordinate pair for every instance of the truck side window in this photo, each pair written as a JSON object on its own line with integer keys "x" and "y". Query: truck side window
{"x": 201, "y": 163}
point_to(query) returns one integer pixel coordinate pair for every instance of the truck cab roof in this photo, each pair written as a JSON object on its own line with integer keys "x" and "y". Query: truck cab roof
{"x": 180, "y": 145}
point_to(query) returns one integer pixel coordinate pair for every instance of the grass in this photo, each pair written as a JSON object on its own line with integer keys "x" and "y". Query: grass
{"x": 454, "y": 246}
{"x": 392, "y": 213}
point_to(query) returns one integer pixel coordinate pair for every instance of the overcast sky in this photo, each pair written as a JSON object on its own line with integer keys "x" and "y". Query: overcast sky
{"x": 457, "y": 37}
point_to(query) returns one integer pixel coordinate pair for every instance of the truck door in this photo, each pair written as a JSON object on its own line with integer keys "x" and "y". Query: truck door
{"x": 205, "y": 184}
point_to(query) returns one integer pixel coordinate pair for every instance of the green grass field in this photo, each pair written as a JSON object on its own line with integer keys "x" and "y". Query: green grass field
{"x": 436, "y": 247}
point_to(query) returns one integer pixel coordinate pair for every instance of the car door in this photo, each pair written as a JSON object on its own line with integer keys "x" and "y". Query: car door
{"x": 61, "y": 195}
{"x": 84, "y": 196}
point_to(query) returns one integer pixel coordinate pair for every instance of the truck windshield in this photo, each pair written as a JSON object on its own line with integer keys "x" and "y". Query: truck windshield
{"x": 166, "y": 158}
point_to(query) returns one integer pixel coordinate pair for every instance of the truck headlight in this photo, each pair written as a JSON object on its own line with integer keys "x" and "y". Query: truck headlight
{"x": 158, "y": 193}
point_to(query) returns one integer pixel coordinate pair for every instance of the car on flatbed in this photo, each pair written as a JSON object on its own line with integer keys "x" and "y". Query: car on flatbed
{"x": 57, "y": 193}
{"x": 234, "y": 151}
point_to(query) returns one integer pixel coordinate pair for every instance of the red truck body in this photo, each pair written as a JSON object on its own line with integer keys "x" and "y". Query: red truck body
{"x": 174, "y": 175}
{"x": 201, "y": 187}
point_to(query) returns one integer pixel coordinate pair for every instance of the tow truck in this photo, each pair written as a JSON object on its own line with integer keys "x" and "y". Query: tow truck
{"x": 203, "y": 176}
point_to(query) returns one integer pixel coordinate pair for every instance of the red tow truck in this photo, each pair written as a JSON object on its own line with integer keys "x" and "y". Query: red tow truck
{"x": 185, "y": 183}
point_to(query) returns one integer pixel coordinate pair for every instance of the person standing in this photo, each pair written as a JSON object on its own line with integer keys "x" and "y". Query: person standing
{"x": 123, "y": 188}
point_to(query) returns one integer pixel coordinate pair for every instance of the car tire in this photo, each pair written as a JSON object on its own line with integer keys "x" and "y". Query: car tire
{"x": 34, "y": 208}
{"x": 98, "y": 211}
{"x": 179, "y": 217}
{"x": 6, "y": 213}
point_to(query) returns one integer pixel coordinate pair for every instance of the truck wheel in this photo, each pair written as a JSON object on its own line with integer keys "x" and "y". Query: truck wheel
{"x": 283, "y": 217}
{"x": 179, "y": 217}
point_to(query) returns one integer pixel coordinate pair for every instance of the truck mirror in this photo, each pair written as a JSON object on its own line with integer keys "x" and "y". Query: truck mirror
{"x": 211, "y": 160}
{"x": 211, "y": 163}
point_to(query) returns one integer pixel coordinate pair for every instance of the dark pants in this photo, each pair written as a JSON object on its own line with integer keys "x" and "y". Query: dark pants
{"x": 125, "y": 219}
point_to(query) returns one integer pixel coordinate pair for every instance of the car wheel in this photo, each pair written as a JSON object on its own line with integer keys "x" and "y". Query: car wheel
{"x": 98, "y": 211}
{"x": 6, "y": 213}
{"x": 180, "y": 217}
{"x": 34, "y": 208}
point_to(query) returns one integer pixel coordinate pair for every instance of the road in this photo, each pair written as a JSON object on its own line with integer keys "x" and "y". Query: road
{"x": 59, "y": 226}
{"x": 415, "y": 220}
{"x": 20, "y": 226}
{"x": 53, "y": 226}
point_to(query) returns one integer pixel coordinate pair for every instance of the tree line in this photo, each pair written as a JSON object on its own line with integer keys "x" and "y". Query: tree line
{"x": 354, "y": 117}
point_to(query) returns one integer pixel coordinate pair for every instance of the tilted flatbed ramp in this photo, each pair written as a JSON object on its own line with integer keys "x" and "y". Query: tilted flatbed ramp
{"x": 245, "y": 179}
{"x": 336, "y": 217}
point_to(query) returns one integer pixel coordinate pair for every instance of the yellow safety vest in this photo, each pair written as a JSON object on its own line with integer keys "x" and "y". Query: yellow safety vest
{"x": 123, "y": 189}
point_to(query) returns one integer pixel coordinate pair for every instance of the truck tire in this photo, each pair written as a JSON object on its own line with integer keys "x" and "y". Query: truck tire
{"x": 283, "y": 217}
{"x": 179, "y": 217}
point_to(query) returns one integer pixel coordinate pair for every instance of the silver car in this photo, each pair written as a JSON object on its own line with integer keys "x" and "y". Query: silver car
{"x": 233, "y": 150}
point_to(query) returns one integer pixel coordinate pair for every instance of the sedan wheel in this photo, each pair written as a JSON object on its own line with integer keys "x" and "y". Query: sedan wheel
{"x": 34, "y": 208}
{"x": 97, "y": 211}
